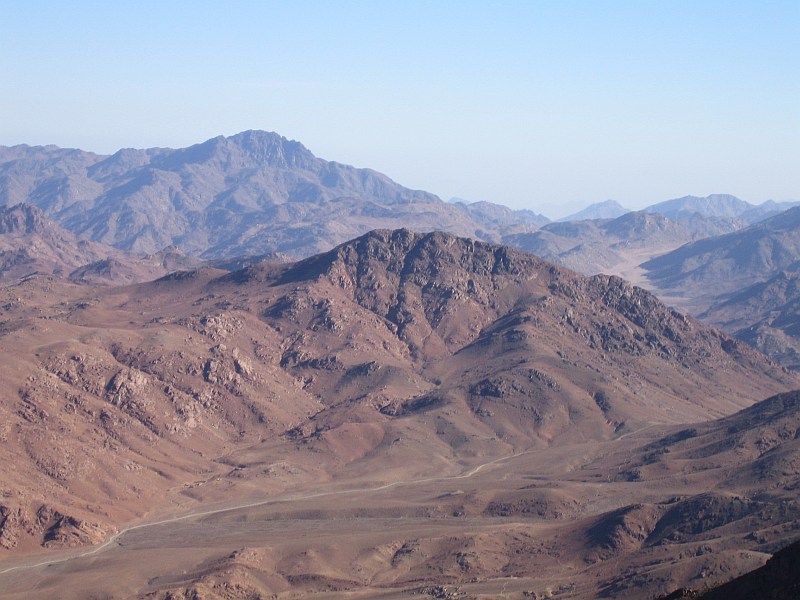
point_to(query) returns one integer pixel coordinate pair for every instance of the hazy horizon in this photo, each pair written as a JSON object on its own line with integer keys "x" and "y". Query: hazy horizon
{"x": 549, "y": 106}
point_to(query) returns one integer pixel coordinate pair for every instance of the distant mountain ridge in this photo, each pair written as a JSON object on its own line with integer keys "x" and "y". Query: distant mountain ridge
{"x": 592, "y": 246}
{"x": 724, "y": 206}
{"x": 258, "y": 193}
{"x": 715, "y": 205}
{"x": 745, "y": 282}
{"x": 606, "y": 237}
{"x": 719, "y": 207}
{"x": 725, "y": 263}
{"x": 610, "y": 209}
{"x": 251, "y": 193}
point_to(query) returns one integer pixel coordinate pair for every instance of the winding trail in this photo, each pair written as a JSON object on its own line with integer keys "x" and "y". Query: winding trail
{"x": 113, "y": 539}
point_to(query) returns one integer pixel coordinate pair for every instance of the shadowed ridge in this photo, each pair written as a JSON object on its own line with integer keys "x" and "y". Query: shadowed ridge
{"x": 778, "y": 579}
{"x": 770, "y": 410}
{"x": 779, "y": 413}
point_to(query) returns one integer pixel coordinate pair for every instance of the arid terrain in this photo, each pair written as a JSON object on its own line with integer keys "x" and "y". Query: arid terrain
{"x": 399, "y": 300}
{"x": 405, "y": 415}
{"x": 138, "y": 214}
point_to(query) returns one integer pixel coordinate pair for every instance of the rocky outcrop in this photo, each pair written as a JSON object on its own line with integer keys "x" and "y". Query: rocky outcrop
{"x": 50, "y": 527}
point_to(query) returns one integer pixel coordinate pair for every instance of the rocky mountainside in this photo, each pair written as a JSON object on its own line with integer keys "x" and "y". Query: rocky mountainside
{"x": 251, "y": 193}
{"x": 30, "y": 243}
{"x": 766, "y": 315}
{"x": 407, "y": 413}
{"x": 717, "y": 266}
{"x": 743, "y": 281}
{"x": 742, "y": 508}
{"x": 461, "y": 349}
{"x": 739, "y": 477}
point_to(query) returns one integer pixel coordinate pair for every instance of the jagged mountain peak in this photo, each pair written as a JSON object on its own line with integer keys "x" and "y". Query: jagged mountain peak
{"x": 245, "y": 150}
{"x": 429, "y": 285}
{"x": 271, "y": 147}
{"x": 425, "y": 256}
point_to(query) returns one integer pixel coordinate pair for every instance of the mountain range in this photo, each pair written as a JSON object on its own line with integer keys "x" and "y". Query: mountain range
{"x": 251, "y": 193}
{"x": 744, "y": 282}
{"x": 726, "y": 263}
{"x": 615, "y": 246}
{"x": 257, "y": 192}
{"x": 221, "y": 380}
{"x": 722, "y": 206}
{"x": 234, "y": 199}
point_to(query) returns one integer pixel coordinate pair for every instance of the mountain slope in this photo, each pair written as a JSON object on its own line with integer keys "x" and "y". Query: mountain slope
{"x": 766, "y": 315}
{"x": 30, "y": 243}
{"x": 403, "y": 411}
{"x": 739, "y": 477}
{"x": 723, "y": 264}
{"x": 744, "y": 282}
{"x": 614, "y": 246}
{"x": 446, "y": 297}
{"x": 251, "y": 193}
{"x": 470, "y": 349}
{"x": 777, "y": 580}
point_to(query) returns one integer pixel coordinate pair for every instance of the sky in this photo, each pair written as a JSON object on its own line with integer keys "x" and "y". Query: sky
{"x": 544, "y": 105}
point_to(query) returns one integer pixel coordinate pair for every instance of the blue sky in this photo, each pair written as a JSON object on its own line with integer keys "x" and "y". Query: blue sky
{"x": 541, "y": 105}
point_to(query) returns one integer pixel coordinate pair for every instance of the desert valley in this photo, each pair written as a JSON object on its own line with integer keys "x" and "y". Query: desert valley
{"x": 237, "y": 370}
